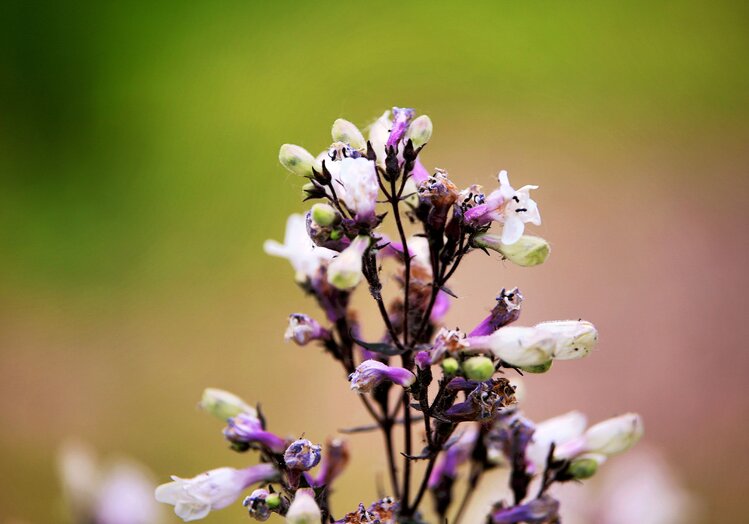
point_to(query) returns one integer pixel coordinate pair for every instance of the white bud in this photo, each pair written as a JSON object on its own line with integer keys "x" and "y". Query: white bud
{"x": 614, "y": 435}
{"x": 573, "y": 338}
{"x": 346, "y": 132}
{"x": 296, "y": 159}
{"x": 303, "y": 509}
{"x": 223, "y": 404}
{"x": 345, "y": 271}
{"x": 528, "y": 251}
{"x": 420, "y": 131}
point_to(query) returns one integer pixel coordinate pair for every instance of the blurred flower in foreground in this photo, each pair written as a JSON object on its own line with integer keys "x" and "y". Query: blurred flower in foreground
{"x": 640, "y": 489}
{"x": 120, "y": 492}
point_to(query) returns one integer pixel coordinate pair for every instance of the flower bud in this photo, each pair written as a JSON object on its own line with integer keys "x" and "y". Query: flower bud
{"x": 582, "y": 468}
{"x": 325, "y": 215}
{"x": 346, "y": 132}
{"x": 304, "y": 329}
{"x": 302, "y": 455}
{"x": 420, "y": 131}
{"x": 304, "y": 509}
{"x": 296, "y": 159}
{"x": 572, "y": 338}
{"x": 345, "y": 271}
{"x": 261, "y": 503}
{"x": 478, "y": 368}
{"x": 223, "y": 404}
{"x": 522, "y": 347}
{"x": 450, "y": 366}
{"x": 246, "y": 431}
{"x": 614, "y": 435}
{"x": 370, "y": 373}
{"x": 528, "y": 251}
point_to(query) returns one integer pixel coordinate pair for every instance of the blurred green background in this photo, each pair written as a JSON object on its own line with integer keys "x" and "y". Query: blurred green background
{"x": 139, "y": 178}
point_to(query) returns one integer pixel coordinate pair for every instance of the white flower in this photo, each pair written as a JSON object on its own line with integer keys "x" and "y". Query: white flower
{"x": 614, "y": 435}
{"x": 194, "y": 498}
{"x": 558, "y": 430}
{"x": 518, "y": 209}
{"x": 528, "y": 251}
{"x": 303, "y": 509}
{"x": 126, "y": 496}
{"x": 379, "y": 132}
{"x": 298, "y": 248}
{"x": 573, "y": 338}
{"x": 356, "y": 185}
{"x": 345, "y": 271}
{"x": 522, "y": 347}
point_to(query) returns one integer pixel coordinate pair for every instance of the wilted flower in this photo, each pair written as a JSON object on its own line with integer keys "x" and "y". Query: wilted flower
{"x": 506, "y": 311}
{"x": 371, "y": 373}
{"x": 194, "y": 498}
{"x": 305, "y": 257}
{"x": 302, "y": 455}
{"x": 334, "y": 461}
{"x": 304, "y": 509}
{"x": 345, "y": 271}
{"x": 303, "y": 329}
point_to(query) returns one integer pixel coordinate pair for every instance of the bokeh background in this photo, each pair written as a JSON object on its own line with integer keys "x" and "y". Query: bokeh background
{"x": 138, "y": 146}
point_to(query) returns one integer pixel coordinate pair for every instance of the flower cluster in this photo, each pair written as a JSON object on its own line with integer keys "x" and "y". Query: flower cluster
{"x": 449, "y": 390}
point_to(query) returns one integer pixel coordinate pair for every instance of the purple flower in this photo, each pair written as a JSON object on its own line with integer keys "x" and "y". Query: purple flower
{"x": 506, "y": 311}
{"x": 537, "y": 511}
{"x": 302, "y": 455}
{"x": 245, "y": 431}
{"x": 440, "y": 308}
{"x": 401, "y": 118}
{"x": 303, "y": 329}
{"x": 454, "y": 456}
{"x": 371, "y": 373}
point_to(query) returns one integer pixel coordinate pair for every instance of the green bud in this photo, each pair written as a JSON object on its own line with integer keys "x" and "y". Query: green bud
{"x": 528, "y": 251}
{"x": 450, "y": 366}
{"x": 223, "y": 404}
{"x": 478, "y": 368}
{"x": 346, "y": 132}
{"x": 540, "y": 368}
{"x": 273, "y": 500}
{"x": 420, "y": 131}
{"x": 296, "y": 159}
{"x": 324, "y": 214}
{"x": 582, "y": 468}
{"x": 336, "y": 234}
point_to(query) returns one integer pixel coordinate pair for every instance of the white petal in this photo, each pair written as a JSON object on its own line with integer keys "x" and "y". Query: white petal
{"x": 513, "y": 228}
{"x": 171, "y": 492}
{"x": 188, "y": 511}
{"x": 275, "y": 249}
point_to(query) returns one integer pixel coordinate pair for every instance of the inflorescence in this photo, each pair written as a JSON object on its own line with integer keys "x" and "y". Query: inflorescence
{"x": 446, "y": 390}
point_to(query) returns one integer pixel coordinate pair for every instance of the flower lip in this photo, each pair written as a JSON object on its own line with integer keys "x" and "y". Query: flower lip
{"x": 371, "y": 373}
{"x": 302, "y": 455}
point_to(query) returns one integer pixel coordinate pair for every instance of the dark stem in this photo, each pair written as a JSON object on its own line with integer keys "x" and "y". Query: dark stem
{"x": 395, "y": 201}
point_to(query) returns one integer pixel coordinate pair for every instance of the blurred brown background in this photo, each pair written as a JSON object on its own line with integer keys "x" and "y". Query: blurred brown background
{"x": 139, "y": 178}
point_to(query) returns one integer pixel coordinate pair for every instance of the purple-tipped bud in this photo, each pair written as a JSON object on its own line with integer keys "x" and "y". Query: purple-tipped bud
{"x": 506, "y": 311}
{"x": 304, "y": 329}
{"x": 401, "y": 118}
{"x": 371, "y": 373}
{"x": 246, "y": 431}
{"x": 302, "y": 455}
{"x": 537, "y": 511}
{"x": 423, "y": 360}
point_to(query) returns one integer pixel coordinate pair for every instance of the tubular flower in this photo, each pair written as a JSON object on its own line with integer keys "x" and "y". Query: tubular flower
{"x": 371, "y": 373}
{"x": 537, "y": 511}
{"x": 458, "y": 453}
{"x": 246, "y": 431}
{"x": 305, "y": 257}
{"x": 357, "y": 186}
{"x": 194, "y": 498}
{"x": 303, "y": 329}
{"x": 606, "y": 438}
{"x": 528, "y": 251}
{"x": 558, "y": 430}
{"x": 345, "y": 271}
{"x": 573, "y": 338}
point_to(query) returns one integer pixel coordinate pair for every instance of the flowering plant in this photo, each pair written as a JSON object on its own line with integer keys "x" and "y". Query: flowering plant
{"x": 447, "y": 391}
